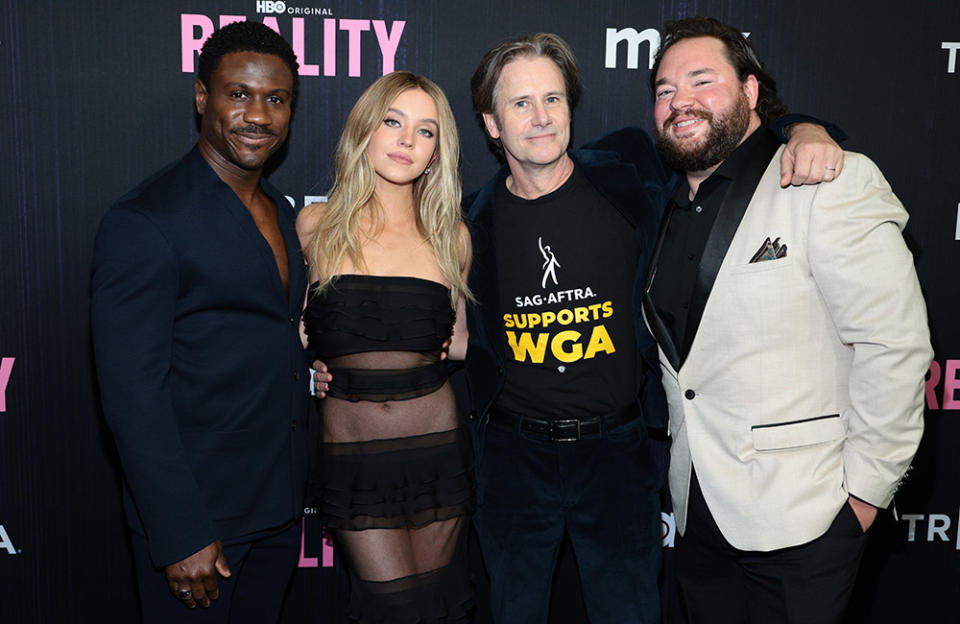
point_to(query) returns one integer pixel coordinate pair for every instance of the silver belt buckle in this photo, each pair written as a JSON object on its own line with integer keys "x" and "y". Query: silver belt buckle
{"x": 565, "y": 422}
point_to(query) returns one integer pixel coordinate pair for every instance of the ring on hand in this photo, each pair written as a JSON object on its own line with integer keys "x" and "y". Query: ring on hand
{"x": 183, "y": 594}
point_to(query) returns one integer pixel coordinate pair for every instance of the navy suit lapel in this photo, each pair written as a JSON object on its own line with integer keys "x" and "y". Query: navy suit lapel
{"x": 731, "y": 212}
{"x": 222, "y": 197}
{"x": 286, "y": 220}
{"x": 242, "y": 216}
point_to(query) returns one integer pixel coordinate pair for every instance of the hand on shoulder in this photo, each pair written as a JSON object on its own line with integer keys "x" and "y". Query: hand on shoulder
{"x": 811, "y": 156}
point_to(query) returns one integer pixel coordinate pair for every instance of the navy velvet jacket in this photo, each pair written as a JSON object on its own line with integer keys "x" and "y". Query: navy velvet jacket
{"x": 201, "y": 370}
{"x": 625, "y": 168}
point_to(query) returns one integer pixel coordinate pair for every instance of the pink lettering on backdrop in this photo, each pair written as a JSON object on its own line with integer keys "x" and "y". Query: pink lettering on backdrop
{"x": 931, "y": 385}
{"x": 189, "y": 44}
{"x": 951, "y": 384}
{"x": 305, "y": 562}
{"x": 329, "y": 47}
{"x": 6, "y": 368}
{"x": 326, "y": 555}
{"x": 271, "y": 23}
{"x": 195, "y": 28}
{"x": 354, "y": 27}
{"x": 230, "y": 19}
{"x": 388, "y": 42}
{"x": 306, "y": 69}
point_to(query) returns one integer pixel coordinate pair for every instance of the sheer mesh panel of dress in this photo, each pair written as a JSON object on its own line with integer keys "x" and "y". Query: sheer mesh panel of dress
{"x": 441, "y": 596}
{"x": 395, "y": 481}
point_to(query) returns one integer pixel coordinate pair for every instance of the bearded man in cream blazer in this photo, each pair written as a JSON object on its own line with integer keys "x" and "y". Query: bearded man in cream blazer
{"x": 793, "y": 345}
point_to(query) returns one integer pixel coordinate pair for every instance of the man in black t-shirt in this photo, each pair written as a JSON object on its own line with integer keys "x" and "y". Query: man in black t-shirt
{"x": 563, "y": 375}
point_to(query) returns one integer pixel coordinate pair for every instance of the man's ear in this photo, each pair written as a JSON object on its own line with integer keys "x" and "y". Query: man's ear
{"x": 200, "y": 96}
{"x": 490, "y": 122}
{"x": 751, "y": 89}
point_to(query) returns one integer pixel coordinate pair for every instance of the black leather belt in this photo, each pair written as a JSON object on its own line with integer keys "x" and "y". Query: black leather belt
{"x": 565, "y": 429}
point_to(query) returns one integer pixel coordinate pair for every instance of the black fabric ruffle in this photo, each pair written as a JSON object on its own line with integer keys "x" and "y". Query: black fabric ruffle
{"x": 359, "y": 313}
{"x": 400, "y": 482}
{"x": 364, "y": 384}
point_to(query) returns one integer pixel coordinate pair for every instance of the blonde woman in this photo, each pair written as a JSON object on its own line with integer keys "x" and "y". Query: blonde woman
{"x": 389, "y": 257}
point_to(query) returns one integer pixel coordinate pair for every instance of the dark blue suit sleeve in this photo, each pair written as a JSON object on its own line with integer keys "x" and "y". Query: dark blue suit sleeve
{"x": 779, "y": 126}
{"x": 653, "y": 400}
{"x": 133, "y": 300}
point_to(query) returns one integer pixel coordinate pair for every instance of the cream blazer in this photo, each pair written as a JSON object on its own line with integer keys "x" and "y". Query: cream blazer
{"x": 804, "y": 381}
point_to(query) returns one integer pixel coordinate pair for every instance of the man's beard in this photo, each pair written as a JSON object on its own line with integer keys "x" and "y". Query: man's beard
{"x": 725, "y": 133}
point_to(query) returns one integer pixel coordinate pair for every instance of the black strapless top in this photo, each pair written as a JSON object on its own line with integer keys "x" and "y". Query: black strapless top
{"x": 367, "y": 313}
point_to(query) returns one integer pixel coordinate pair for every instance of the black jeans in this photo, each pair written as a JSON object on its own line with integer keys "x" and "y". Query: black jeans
{"x": 601, "y": 491}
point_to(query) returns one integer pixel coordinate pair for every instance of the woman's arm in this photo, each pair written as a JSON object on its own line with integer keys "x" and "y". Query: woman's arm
{"x": 458, "y": 343}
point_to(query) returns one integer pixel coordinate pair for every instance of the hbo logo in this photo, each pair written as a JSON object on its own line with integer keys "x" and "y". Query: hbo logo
{"x": 269, "y": 6}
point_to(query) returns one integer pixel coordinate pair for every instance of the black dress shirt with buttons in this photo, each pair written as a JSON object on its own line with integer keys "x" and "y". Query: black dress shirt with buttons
{"x": 688, "y": 227}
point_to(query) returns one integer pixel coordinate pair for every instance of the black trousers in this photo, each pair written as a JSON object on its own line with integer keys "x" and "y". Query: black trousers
{"x": 806, "y": 584}
{"x": 261, "y": 570}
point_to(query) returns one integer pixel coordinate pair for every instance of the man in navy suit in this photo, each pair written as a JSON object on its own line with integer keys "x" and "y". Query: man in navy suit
{"x": 197, "y": 288}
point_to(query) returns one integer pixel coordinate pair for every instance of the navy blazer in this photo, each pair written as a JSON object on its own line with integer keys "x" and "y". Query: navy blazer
{"x": 625, "y": 168}
{"x": 199, "y": 360}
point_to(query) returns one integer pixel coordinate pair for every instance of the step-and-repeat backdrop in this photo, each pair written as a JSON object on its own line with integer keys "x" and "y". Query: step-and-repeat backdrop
{"x": 95, "y": 96}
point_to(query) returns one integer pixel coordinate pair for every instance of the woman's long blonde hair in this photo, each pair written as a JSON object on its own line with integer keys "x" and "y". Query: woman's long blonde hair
{"x": 436, "y": 195}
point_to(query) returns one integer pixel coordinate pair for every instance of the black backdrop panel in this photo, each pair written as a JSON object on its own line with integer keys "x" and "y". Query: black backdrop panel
{"x": 95, "y": 98}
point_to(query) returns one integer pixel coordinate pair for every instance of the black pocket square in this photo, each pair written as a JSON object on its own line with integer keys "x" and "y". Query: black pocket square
{"x": 770, "y": 250}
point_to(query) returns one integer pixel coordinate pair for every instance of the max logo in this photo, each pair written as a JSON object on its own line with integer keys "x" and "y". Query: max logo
{"x": 6, "y": 367}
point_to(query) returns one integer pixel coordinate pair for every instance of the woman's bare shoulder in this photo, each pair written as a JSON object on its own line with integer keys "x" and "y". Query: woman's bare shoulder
{"x": 308, "y": 219}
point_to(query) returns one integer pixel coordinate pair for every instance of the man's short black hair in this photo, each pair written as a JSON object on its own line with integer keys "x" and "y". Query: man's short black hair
{"x": 245, "y": 37}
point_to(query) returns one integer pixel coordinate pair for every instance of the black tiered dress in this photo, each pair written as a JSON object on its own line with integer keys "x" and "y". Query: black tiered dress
{"x": 393, "y": 453}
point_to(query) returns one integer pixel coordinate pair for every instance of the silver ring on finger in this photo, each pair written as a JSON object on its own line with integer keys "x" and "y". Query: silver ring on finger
{"x": 183, "y": 594}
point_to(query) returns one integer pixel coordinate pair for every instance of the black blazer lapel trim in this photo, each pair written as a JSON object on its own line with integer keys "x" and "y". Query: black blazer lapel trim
{"x": 657, "y": 326}
{"x": 732, "y": 209}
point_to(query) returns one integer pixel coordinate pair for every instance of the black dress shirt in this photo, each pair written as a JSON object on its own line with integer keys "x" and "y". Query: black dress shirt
{"x": 688, "y": 227}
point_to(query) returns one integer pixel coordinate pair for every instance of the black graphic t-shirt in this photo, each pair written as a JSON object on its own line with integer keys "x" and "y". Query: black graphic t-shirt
{"x": 566, "y": 262}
